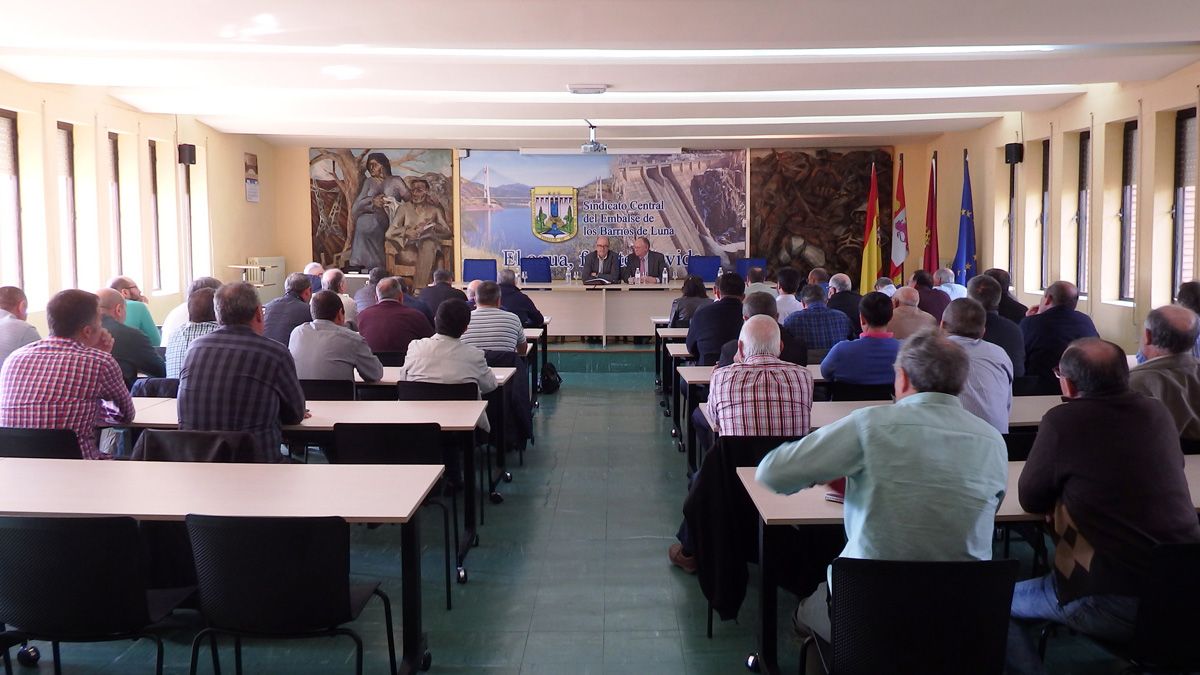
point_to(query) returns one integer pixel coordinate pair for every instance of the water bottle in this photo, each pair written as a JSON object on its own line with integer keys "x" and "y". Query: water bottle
{"x": 665, "y": 277}
{"x": 637, "y": 276}
{"x": 524, "y": 277}
{"x": 720, "y": 272}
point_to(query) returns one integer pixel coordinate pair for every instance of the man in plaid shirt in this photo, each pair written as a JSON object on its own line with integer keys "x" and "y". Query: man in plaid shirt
{"x": 819, "y": 326}
{"x": 68, "y": 380}
{"x": 234, "y": 379}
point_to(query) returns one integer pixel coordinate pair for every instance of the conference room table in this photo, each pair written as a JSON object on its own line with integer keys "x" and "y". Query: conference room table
{"x": 605, "y": 310}
{"x": 809, "y": 507}
{"x": 660, "y": 324}
{"x": 458, "y": 418}
{"x": 169, "y": 491}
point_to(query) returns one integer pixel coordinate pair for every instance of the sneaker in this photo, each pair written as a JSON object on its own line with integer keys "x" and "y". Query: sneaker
{"x": 679, "y": 559}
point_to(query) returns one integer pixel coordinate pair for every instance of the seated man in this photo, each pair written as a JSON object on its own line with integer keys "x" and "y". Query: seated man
{"x": 137, "y": 314}
{"x": 601, "y": 264}
{"x": 412, "y": 301}
{"x": 315, "y": 271}
{"x": 759, "y": 395}
{"x": 868, "y": 360}
{"x": 180, "y": 313}
{"x": 931, "y": 301}
{"x": 324, "y": 349}
{"x": 718, "y": 322}
{"x": 786, "y": 302}
{"x": 366, "y": 296}
{"x": 1107, "y": 471}
{"x": 131, "y": 348}
{"x": 513, "y": 299}
{"x": 923, "y": 476}
{"x": 1010, "y": 308}
{"x": 907, "y": 317}
{"x": 756, "y": 282}
{"x": 794, "y": 350}
{"x": 445, "y": 358}
{"x": 472, "y": 289}
{"x": 1171, "y": 374}
{"x": 1049, "y": 328}
{"x": 389, "y": 326}
{"x": 67, "y": 380}
{"x": 999, "y": 331}
{"x": 988, "y": 391}
{"x": 335, "y": 280}
{"x": 440, "y": 291}
{"x": 288, "y": 310}
{"x": 493, "y": 328}
{"x": 943, "y": 280}
{"x": 1187, "y": 296}
{"x": 884, "y": 285}
{"x": 202, "y": 320}
{"x": 236, "y": 379}
{"x": 845, "y": 299}
{"x": 816, "y": 324}
{"x": 819, "y": 276}
{"x": 15, "y": 331}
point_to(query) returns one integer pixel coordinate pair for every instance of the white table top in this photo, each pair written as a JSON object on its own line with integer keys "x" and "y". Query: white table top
{"x": 678, "y": 350}
{"x": 656, "y": 320}
{"x": 391, "y": 375}
{"x": 533, "y": 333}
{"x": 451, "y": 415}
{"x": 672, "y": 333}
{"x": 703, "y": 374}
{"x": 171, "y": 490}
{"x": 1027, "y": 411}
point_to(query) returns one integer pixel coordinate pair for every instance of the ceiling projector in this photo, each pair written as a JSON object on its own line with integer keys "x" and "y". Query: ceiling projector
{"x": 593, "y": 147}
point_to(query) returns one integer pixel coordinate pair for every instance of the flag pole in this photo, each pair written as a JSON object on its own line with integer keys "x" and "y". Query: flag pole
{"x": 901, "y": 275}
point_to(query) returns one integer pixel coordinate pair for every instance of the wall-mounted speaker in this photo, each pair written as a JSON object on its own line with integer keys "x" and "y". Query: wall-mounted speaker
{"x": 187, "y": 153}
{"x": 1014, "y": 153}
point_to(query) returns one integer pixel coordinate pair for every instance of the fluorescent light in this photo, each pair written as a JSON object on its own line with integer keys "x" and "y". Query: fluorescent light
{"x": 611, "y": 151}
{"x": 343, "y": 72}
{"x": 642, "y": 122}
{"x": 588, "y": 89}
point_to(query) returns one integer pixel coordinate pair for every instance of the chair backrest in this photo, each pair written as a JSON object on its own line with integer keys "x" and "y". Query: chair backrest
{"x": 744, "y": 265}
{"x": 170, "y": 445}
{"x": 328, "y": 390}
{"x": 749, "y": 450}
{"x": 1190, "y": 446}
{"x": 155, "y": 387}
{"x": 436, "y": 391}
{"x": 1019, "y": 441}
{"x": 704, "y": 266}
{"x": 39, "y": 443}
{"x": 909, "y": 617}
{"x": 272, "y": 575}
{"x": 391, "y": 358}
{"x": 479, "y": 268}
{"x": 386, "y": 444}
{"x": 537, "y": 270}
{"x": 844, "y": 391}
{"x": 72, "y": 576}
{"x": 1167, "y": 622}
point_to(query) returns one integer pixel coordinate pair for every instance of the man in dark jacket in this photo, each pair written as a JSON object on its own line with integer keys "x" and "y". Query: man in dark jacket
{"x": 932, "y": 300}
{"x": 1054, "y": 324}
{"x": 717, "y": 323}
{"x": 1009, "y": 308}
{"x": 440, "y": 290}
{"x": 131, "y": 347}
{"x": 794, "y": 349}
{"x": 289, "y": 310}
{"x": 843, "y": 298}
{"x": 512, "y": 299}
{"x": 999, "y": 331}
{"x": 413, "y": 302}
{"x": 365, "y": 296}
{"x": 1106, "y": 469}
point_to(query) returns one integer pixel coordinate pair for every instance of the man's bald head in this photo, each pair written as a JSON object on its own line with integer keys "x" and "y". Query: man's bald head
{"x": 112, "y": 303}
{"x": 759, "y": 336}
{"x": 388, "y": 288}
{"x": 906, "y": 296}
{"x": 1063, "y": 294}
{"x": 1172, "y": 329}
{"x": 473, "y": 288}
{"x": 1095, "y": 366}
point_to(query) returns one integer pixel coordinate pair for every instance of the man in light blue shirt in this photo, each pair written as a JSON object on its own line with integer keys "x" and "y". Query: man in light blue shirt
{"x": 988, "y": 391}
{"x": 924, "y": 476}
{"x": 324, "y": 349}
{"x": 944, "y": 278}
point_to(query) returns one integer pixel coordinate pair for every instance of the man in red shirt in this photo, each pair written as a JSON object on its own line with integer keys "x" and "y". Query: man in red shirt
{"x": 389, "y": 325}
{"x": 68, "y": 380}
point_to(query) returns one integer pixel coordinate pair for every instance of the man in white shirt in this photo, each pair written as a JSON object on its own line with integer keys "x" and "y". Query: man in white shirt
{"x": 335, "y": 280}
{"x": 446, "y": 359}
{"x": 756, "y": 282}
{"x": 944, "y": 282}
{"x": 14, "y": 330}
{"x": 324, "y": 349}
{"x": 884, "y": 285}
{"x": 988, "y": 390}
{"x": 179, "y": 315}
{"x": 491, "y": 327}
{"x": 786, "y": 302}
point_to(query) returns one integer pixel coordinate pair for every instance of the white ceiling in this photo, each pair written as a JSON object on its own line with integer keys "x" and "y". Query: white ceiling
{"x": 690, "y": 73}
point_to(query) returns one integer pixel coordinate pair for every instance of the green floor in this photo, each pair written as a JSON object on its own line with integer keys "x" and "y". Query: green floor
{"x": 571, "y": 575}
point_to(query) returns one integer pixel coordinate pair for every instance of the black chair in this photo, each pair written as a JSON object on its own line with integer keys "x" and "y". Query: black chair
{"x": 1190, "y": 446}
{"x": 328, "y": 390}
{"x": 155, "y": 387}
{"x": 391, "y": 358}
{"x": 401, "y": 444}
{"x": 278, "y": 578}
{"x": 170, "y": 445}
{"x": 1164, "y": 633}
{"x": 908, "y": 617}
{"x": 845, "y": 391}
{"x": 39, "y": 443}
{"x": 78, "y": 580}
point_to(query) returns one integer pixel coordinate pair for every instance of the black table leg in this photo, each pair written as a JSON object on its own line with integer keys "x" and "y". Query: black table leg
{"x": 500, "y": 434}
{"x": 466, "y": 441}
{"x": 676, "y": 395}
{"x": 415, "y": 655}
{"x": 532, "y": 363}
{"x": 690, "y": 438}
{"x": 658, "y": 354}
{"x": 766, "y": 660}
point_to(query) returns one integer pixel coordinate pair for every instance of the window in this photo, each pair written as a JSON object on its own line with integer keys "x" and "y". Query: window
{"x": 11, "y": 272}
{"x": 68, "y": 251}
{"x": 1082, "y": 203}
{"x": 1128, "y": 214}
{"x": 114, "y": 201}
{"x": 1044, "y": 218}
{"x": 155, "y": 251}
{"x": 1183, "y": 213}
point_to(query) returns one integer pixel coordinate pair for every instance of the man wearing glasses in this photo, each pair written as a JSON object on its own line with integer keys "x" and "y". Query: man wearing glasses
{"x": 601, "y": 264}
{"x": 137, "y": 314}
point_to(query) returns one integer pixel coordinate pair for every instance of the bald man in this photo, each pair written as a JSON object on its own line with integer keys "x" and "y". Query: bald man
{"x": 907, "y": 317}
{"x": 131, "y": 348}
{"x": 1170, "y": 371}
{"x": 601, "y": 265}
{"x": 137, "y": 312}
{"x": 1048, "y": 328}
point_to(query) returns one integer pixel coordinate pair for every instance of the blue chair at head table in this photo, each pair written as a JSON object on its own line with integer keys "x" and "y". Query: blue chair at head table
{"x": 483, "y": 269}
{"x": 537, "y": 270}
{"x": 745, "y": 264}
{"x": 704, "y": 266}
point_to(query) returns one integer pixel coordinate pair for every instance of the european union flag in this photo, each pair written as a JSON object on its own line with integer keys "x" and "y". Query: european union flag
{"x": 965, "y": 263}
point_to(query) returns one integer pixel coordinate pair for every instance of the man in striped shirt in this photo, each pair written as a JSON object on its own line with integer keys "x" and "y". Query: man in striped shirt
{"x": 493, "y": 328}
{"x": 68, "y": 380}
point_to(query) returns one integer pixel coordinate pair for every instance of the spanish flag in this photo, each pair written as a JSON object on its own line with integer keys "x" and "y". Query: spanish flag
{"x": 871, "y": 252}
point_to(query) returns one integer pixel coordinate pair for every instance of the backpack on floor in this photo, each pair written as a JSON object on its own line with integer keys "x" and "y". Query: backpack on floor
{"x": 550, "y": 379}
